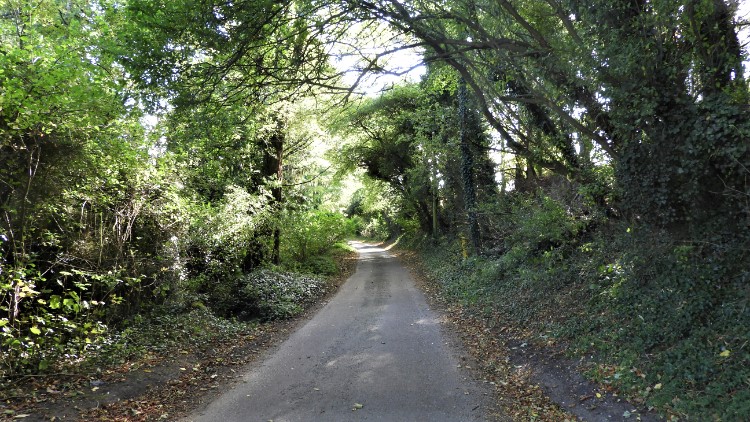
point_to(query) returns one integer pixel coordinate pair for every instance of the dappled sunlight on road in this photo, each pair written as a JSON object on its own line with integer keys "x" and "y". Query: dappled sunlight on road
{"x": 365, "y": 247}
{"x": 371, "y": 350}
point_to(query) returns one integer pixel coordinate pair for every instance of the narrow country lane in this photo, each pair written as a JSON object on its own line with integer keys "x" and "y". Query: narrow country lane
{"x": 375, "y": 352}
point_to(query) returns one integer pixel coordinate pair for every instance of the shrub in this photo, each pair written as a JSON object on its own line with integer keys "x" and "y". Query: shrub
{"x": 652, "y": 310}
{"x": 679, "y": 312}
{"x": 375, "y": 228}
{"x": 278, "y": 295}
{"x": 313, "y": 233}
{"x": 323, "y": 265}
{"x": 540, "y": 222}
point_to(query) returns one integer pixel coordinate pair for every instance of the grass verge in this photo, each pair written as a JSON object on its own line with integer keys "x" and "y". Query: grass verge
{"x": 664, "y": 322}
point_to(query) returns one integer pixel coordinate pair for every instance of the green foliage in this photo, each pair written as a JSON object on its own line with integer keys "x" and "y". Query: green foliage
{"x": 84, "y": 235}
{"x": 164, "y": 333}
{"x": 666, "y": 320}
{"x": 230, "y": 226}
{"x": 405, "y": 141}
{"x": 371, "y": 208}
{"x": 681, "y": 318}
{"x": 227, "y": 53}
{"x": 220, "y": 241}
{"x": 680, "y": 184}
{"x": 312, "y": 233}
{"x": 655, "y": 89}
{"x": 383, "y": 141}
{"x": 540, "y": 220}
{"x": 375, "y": 228}
{"x": 231, "y": 238}
{"x": 321, "y": 265}
{"x": 104, "y": 217}
{"x": 638, "y": 108}
{"x": 275, "y": 295}
{"x": 225, "y": 150}
{"x": 60, "y": 318}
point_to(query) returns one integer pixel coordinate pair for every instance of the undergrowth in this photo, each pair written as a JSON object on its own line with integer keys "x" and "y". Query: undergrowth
{"x": 161, "y": 334}
{"x": 192, "y": 318}
{"x": 275, "y": 295}
{"x": 666, "y": 321}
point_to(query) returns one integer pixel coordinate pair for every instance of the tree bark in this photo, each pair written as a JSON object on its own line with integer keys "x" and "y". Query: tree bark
{"x": 467, "y": 167}
{"x": 273, "y": 170}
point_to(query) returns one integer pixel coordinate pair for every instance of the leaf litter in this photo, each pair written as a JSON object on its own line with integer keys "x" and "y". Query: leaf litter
{"x": 532, "y": 378}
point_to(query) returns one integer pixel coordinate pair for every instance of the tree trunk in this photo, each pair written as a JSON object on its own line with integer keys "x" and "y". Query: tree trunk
{"x": 273, "y": 170}
{"x": 467, "y": 167}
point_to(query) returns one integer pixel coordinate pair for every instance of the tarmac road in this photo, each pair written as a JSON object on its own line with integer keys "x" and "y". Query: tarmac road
{"x": 375, "y": 352}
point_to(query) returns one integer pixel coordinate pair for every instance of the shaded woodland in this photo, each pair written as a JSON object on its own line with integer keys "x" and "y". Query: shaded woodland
{"x": 578, "y": 167}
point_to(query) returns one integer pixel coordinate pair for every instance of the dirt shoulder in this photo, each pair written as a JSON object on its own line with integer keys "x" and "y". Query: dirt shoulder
{"x": 155, "y": 387}
{"x": 533, "y": 378}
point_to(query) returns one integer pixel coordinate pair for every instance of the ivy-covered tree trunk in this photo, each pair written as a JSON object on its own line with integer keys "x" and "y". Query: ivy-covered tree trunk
{"x": 684, "y": 156}
{"x": 467, "y": 166}
{"x": 435, "y": 226}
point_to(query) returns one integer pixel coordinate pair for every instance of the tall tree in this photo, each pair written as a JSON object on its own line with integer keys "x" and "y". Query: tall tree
{"x": 428, "y": 143}
{"x": 467, "y": 165}
{"x": 638, "y": 80}
{"x": 239, "y": 62}
{"x": 78, "y": 197}
{"x": 273, "y": 170}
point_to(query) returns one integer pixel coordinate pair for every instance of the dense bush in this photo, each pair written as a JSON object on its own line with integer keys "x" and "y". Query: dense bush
{"x": 323, "y": 265}
{"x": 101, "y": 256}
{"x": 678, "y": 312}
{"x": 312, "y": 233}
{"x": 220, "y": 240}
{"x": 375, "y": 228}
{"x": 666, "y": 320}
{"x": 274, "y": 295}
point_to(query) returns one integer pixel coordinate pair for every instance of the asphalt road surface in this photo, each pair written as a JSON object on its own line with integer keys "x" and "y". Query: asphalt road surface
{"x": 375, "y": 352}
